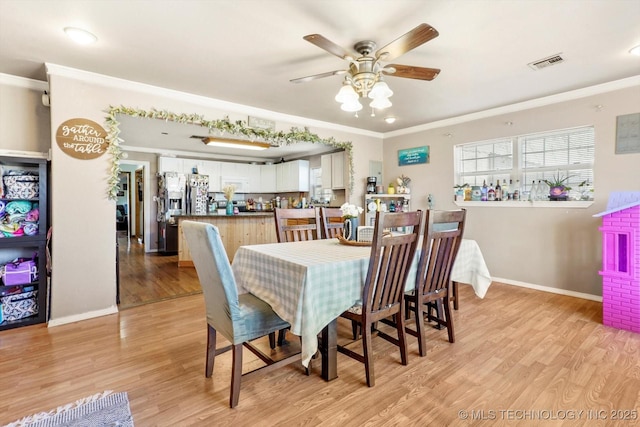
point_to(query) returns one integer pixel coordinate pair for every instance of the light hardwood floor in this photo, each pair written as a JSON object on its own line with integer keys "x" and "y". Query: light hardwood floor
{"x": 516, "y": 350}
{"x": 151, "y": 277}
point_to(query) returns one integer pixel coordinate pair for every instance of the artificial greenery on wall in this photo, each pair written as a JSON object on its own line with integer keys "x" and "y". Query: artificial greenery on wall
{"x": 238, "y": 129}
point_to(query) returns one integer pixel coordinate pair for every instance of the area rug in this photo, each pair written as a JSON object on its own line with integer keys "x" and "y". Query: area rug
{"x": 102, "y": 409}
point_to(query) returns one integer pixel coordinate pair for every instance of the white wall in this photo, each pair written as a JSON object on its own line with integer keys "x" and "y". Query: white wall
{"x": 551, "y": 247}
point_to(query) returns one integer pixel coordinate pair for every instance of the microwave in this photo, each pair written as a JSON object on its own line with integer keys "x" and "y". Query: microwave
{"x": 241, "y": 184}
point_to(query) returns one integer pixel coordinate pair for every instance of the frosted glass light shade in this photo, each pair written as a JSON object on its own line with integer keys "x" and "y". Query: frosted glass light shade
{"x": 346, "y": 94}
{"x": 380, "y": 103}
{"x": 351, "y": 106}
{"x": 380, "y": 90}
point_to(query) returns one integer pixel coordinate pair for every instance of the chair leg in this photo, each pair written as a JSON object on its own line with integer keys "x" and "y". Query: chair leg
{"x": 454, "y": 289}
{"x": 236, "y": 375}
{"x": 354, "y": 329}
{"x": 282, "y": 333}
{"x": 449, "y": 320}
{"x": 368, "y": 355}
{"x": 272, "y": 340}
{"x": 211, "y": 351}
{"x": 402, "y": 337}
{"x": 420, "y": 328}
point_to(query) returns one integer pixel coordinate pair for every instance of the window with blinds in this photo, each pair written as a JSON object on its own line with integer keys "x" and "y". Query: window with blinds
{"x": 522, "y": 160}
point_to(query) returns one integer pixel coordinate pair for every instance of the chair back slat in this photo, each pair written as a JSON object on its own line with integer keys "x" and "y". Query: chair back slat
{"x": 332, "y": 223}
{"x": 294, "y": 225}
{"x": 391, "y": 257}
{"x": 441, "y": 241}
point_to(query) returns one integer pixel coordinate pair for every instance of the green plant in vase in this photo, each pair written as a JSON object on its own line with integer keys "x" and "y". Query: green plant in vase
{"x": 557, "y": 186}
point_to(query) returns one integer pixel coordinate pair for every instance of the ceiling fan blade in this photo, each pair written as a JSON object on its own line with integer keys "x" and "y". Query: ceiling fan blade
{"x": 403, "y": 44}
{"x": 410, "y": 72}
{"x": 329, "y": 46}
{"x": 317, "y": 76}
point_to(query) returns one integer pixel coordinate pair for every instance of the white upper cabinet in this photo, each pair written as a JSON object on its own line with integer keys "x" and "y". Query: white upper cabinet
{"x": 293, "y": 176}
{"x": 268, "y": 179}
{"x": 212, "y": 169}
{"x": 234, "y": 170}
{"x": 170, "y": 164}
{"x": 255, "y": 186}
{"x": 334, "y": 170}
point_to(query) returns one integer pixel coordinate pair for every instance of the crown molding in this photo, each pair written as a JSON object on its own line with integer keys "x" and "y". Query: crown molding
{"x": 9, "y": 80}
{"x": 533, "y": 103}
{"x": 103, "y": 80}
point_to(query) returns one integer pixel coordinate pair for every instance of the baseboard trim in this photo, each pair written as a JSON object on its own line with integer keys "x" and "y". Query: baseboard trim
{"x": 83, "y": 316}
{"x": 548, "y": 289}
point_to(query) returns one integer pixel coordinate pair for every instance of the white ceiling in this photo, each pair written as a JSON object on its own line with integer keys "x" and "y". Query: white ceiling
{"x": 246, "y": 51}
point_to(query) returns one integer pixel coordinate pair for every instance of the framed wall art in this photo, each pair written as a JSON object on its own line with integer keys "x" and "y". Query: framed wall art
{"x": 413, "y": 156}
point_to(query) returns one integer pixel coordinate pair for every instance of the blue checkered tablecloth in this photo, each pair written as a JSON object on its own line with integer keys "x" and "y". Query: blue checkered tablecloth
{"x": 310, "y": 283}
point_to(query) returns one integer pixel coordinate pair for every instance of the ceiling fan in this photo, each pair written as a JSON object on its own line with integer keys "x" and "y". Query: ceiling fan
{"x": 366, "y": 71}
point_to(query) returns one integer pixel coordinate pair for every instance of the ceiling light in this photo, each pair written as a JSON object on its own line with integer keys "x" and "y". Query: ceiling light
{"x": 351, "y": 106}
{"x": 80, "y": 36}
{"x": 390, "y": 119}
{"x": 365, "y": 82}
{"x": 635, "y": 50}
{"x": 380, "y": 103}
{"x": 235, "y": 143}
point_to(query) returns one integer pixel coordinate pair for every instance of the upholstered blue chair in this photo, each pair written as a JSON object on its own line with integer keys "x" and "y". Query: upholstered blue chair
{"x": 240, "y": 318}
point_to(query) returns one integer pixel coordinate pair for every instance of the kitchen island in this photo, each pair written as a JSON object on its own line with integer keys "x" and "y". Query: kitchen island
{"x": 245, "y": 228}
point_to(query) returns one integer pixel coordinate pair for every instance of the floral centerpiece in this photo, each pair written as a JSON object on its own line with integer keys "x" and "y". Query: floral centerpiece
{"x": 403, "y": 184}
{"x": 350, "y": 215}
{"x": 229, "y": 191}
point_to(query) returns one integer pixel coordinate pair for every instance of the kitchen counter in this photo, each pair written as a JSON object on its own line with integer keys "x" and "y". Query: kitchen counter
{"x": 215, "y": 215}
{"x": 246, "y": 228}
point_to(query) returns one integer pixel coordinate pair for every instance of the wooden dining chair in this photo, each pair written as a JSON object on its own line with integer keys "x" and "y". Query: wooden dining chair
{"x": 240, "y": 318}
{"x": 294, "y": 225}
{"x": 332, "y": 222}
{"x": 382, "y": 294}
{"x": 441, "y": 241}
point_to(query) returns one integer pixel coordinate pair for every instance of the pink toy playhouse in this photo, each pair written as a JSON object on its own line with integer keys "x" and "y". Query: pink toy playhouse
{"x": 621, "y": 261}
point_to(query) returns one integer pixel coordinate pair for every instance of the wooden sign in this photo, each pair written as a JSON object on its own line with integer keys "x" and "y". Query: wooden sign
{"x": 413, "y": 156}
{"x": 82, "y": 139}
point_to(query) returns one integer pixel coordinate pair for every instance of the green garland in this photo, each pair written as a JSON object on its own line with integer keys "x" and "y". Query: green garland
{"x": 238, "y": 128}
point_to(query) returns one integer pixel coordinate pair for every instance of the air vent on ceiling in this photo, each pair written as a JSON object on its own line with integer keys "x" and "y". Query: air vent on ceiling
{"x": 547, "y": 62}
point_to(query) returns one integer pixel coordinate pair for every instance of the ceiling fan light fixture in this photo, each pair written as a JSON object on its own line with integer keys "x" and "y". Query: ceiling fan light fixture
{"x": 80, "y": 36}
{"x": 380, "y": 90}
{"x": 635, "y": 50}
{"x": 346, "y": 94}
{"x": 351, "y": 106}
{"x": 233, "y": 143}
{"x": 380, "y": 103}
{"x": 390, "y": 119}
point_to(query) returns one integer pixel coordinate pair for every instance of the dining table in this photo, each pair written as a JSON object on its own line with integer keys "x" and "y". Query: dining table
{"x": 310, "y": 283}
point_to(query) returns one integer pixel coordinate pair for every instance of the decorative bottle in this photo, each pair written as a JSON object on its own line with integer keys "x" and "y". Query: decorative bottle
{"x": 491, "y": 193}
{"x": 484, "y": 190}
{"x": 533, "y": 193}
{"x": 498, "y": 192}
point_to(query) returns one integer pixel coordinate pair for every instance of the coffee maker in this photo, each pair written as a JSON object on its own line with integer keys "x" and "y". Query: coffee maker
{"x": 371, "y": 185}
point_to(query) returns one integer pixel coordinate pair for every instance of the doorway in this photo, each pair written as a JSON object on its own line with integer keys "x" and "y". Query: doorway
{"x": 143, "y": 275}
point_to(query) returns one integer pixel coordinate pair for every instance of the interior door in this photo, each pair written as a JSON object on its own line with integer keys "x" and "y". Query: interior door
{"x": 139, "y": 195}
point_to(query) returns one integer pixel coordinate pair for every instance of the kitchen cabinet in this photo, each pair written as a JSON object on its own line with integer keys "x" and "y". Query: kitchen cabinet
{"x": 293, "y": 176}
{"x": 334, "y": 170}
{"x": 234, "y": 170}
{"x": 253, "y": 175}
{"x": 268, "y": 179}
{"x": 170, "y": 164}
{"x": 212, "y": 169}
{"x": 23, "y": 215}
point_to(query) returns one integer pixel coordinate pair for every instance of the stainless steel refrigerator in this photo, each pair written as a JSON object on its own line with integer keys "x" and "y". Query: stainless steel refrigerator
{"x": 197, "y": 194}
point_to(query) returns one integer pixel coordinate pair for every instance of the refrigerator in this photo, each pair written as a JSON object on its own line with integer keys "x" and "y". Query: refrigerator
{"x": 197, "y": 194}
{"x": 171, "y": 201}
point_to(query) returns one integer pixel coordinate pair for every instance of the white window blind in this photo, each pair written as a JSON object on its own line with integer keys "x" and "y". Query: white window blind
{"x": 524, "y": 159}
